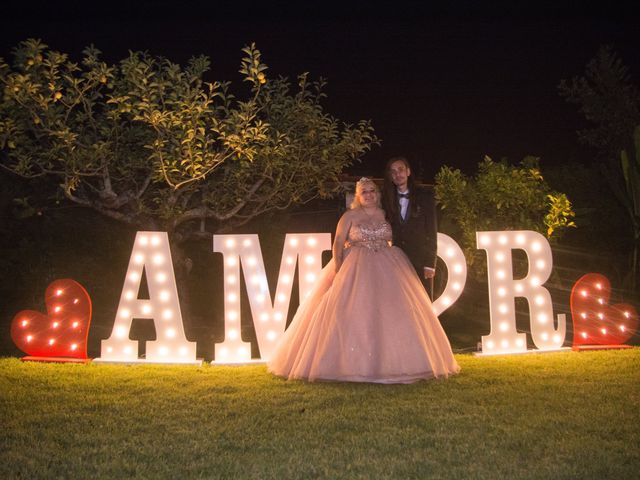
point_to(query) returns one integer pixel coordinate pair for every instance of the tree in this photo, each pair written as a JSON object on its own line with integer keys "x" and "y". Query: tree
{"x": 611, "y": 103}
{"x": 630, "y": 197}
{"x": 501, "y": 197}
{"x": 150, "y": 143}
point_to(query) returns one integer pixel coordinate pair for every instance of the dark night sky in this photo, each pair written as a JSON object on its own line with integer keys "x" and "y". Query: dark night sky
{"x": 443, "y": 85}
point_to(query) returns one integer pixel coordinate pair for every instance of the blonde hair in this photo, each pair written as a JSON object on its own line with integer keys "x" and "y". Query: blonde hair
{"x": 359, "y": 186}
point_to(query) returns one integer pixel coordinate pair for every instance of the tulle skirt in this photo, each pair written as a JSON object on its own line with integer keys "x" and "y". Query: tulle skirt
{"x": 370, "y": 322}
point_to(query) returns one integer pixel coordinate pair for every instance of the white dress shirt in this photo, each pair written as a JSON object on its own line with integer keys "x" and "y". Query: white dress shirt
{"x": 404, "y": 204}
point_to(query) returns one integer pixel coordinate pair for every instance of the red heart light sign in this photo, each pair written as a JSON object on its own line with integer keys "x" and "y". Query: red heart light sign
{"x": 63, "y": 331}
{"x": 595, "y": 322}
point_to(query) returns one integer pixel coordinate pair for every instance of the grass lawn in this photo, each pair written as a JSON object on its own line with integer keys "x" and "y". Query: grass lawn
{"x": 556, "y": 415}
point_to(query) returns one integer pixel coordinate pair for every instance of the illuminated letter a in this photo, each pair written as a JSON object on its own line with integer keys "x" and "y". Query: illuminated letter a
{"x": 150, "y": 255}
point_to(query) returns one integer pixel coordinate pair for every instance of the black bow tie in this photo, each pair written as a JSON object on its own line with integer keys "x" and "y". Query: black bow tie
{"x": 403, "y": 195}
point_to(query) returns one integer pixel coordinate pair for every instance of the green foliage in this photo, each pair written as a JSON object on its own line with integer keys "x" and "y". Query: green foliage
{"x": 608, "y": 100}
{"x": 631, "y": 174}
{"x": 150, "y": 143}
{"x": 501, "y": 197}
{"x": 631, "y": 198}
{"x": 611, "y": 103}
{"x": 560, "y": 213}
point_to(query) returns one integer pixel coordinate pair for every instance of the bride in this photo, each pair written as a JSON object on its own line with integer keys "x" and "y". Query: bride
{"x": 368, "y": 319}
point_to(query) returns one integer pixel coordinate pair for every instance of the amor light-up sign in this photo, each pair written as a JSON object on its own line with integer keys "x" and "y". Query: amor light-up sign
{"x": 451, "y": 254}
{"x": 269, "y": 315}
{"x": 503, "y": 289}
{"x": 150, "y": 256}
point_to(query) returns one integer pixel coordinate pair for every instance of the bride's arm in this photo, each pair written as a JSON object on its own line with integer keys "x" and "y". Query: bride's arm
{"x": 342, "y": 230}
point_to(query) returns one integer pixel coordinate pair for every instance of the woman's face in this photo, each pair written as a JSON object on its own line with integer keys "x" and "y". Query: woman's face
{"x": 368, "y": 195}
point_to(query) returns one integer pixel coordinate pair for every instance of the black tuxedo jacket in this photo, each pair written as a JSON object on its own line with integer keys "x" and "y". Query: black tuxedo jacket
{"x": 417, "y": 234}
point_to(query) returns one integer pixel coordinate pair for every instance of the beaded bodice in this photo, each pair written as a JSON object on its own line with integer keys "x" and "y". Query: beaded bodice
{"x": 373, "y": 235}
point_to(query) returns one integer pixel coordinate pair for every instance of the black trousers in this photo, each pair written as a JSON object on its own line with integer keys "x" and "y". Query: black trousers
{"x": 427, "y": 283}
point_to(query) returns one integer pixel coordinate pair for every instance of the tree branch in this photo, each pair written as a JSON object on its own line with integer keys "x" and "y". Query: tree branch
{"x": 205, "y": 212}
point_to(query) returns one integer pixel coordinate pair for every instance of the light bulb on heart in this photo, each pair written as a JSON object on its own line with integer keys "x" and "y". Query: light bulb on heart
{"x": 595, "y": 322}
{"x": 63, "y": 331}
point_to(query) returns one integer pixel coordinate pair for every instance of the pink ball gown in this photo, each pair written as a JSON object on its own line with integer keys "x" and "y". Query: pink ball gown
{"x": 370, "y": 322}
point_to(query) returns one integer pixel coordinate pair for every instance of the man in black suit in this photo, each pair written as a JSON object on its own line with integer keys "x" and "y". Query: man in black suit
{"x": 412, "y": 213}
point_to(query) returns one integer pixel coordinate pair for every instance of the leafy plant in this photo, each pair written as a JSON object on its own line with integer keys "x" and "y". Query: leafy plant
{"x": 610, "y": 102}
{"x": 150, "y": 143}
{"x": 501, "y": 197}
{"x": 631, "y": 199}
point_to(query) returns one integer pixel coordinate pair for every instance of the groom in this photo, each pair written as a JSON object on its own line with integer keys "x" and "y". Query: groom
{"x": 412, "y": 213}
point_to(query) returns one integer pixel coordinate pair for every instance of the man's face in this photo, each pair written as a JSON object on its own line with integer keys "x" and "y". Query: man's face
{"x": 399, "y": 174}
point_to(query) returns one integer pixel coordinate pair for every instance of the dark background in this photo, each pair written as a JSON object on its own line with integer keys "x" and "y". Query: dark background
{"x": 442, "y": 84}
